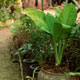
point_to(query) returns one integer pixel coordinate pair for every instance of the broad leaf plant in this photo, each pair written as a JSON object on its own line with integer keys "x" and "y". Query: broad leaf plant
{"x": 59, "y": 28}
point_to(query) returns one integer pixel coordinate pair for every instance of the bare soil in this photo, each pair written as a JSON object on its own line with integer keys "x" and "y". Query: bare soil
{"x": 8, "y": 69}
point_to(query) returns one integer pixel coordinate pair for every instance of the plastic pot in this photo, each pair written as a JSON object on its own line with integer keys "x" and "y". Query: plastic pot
{"x": 26, "y": 66}
{"x": 34, "y": 70}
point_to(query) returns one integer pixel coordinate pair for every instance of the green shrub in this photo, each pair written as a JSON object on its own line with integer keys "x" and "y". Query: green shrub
{"x": 4, "y": 14}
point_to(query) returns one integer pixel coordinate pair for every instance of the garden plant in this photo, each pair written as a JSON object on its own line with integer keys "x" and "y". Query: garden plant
{"x": 59, "y": 28}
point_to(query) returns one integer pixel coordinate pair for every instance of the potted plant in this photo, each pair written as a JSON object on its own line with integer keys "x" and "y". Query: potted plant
{"x": 34, "y": 52}
{"x": 59, "y": 28}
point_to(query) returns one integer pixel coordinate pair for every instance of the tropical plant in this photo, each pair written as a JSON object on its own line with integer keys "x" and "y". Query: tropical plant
{"x": 58, "y": 28}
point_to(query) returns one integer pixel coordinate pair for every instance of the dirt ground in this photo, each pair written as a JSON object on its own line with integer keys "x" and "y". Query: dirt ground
{"x": 8, "y": 70}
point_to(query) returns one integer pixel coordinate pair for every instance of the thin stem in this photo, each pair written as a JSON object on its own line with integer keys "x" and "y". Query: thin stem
{"x": 62, "y": 50}
{"x": 21, "y": 67}
{"x": 56, "y": 52}
{"x": 59, "y": 46}
{"x": 58, "y": 49}
{"x": 42, "y": 6}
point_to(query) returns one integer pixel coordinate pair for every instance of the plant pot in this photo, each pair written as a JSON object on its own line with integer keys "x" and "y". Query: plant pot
{"x": 26, "y": 66}
{"x": 45, "y": 75}
{"x": 33, "y": 67}
{"x": 75, "y": 77}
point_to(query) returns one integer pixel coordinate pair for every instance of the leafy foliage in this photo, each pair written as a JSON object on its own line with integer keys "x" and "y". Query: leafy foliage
{"x": 35, "y": 47}
{"x": 4, "y": 14}
{"x": 16, "y": 27}
{"x": 58, "y": 28}
{"x": 66, "y": 17}
{"x": 29, "y": 41}
{"x": 6, "y": 2}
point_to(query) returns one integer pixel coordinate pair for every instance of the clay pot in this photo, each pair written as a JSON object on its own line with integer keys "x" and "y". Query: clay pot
{"x": 45, "y": 75}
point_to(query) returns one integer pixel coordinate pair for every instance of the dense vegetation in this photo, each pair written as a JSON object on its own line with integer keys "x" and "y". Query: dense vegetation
{"x": 42, "y": 38}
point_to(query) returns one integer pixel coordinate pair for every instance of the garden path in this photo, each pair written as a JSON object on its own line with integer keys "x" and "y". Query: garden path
{"x": 8, "y": 70}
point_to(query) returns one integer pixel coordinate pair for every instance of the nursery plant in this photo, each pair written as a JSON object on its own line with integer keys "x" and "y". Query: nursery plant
{"x": 59, "y": 28}
{"x": 35, "y": 47}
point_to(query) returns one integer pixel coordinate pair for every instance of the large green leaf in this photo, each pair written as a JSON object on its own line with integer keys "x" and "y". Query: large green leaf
{"x": 61, "y": 31}
{"x": 68, "y": 15}
{"x": 59, "y": 27}
{"x": 38, "y": 18}
{"x": 50, "y": 20}
{"x": 58, "y": 12}
{"x": 44, "y": 21}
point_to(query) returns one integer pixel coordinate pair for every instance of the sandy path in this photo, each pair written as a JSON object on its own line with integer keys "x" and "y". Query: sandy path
{"x": 8, "y": 70}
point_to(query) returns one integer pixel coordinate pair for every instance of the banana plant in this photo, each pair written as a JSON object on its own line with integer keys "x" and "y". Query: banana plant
{"x": 59, "y": 28}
